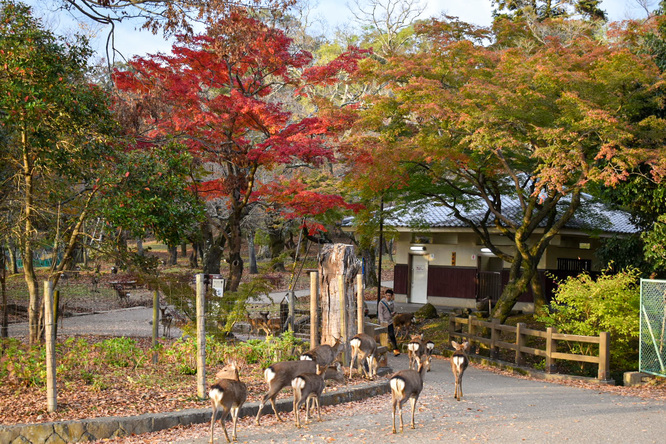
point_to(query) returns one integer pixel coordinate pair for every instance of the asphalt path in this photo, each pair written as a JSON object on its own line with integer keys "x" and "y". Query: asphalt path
{"x": 495, "y": 408}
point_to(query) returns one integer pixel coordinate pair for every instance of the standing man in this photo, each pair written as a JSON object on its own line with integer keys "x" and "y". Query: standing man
{"x": 385, "y": 313}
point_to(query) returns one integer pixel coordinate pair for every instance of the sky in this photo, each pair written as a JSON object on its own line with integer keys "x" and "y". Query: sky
{"x": 333, "y": 13}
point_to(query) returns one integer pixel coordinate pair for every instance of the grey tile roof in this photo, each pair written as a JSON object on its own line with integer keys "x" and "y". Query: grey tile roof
{"x": 591, "y": 216}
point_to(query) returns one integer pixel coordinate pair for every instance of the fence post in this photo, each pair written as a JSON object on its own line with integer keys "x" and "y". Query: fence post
{"x": 470, "y": 327}
{"x": 604, "y": 356}
{"x": 49, "y": 332}
{"x": 314, "y": 314}
{"x": 201, "y": 337}
{"x": 551, "y": 347}
{"x": 520, "y": 343}
{"x": 494, "y": 350}
{"x": 359, "y": 303}
{"x": 156, "y": 324}
{"x": 343, "y": 315}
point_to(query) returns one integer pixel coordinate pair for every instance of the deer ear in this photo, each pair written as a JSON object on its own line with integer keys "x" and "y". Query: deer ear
{"x": 455, "y": 344}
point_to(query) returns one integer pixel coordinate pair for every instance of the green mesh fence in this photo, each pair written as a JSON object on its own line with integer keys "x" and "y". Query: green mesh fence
{"x": 653, "y": 327}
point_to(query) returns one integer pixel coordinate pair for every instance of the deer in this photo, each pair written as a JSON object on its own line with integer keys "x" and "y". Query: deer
{"x": 364, "y": 350}
{"x": 459, "y": 363}
{"x": 308, "y": 387}
{"x": 228, "y": 393}
{"x": 256, "y": 323}
{"x": 403, "y": 321}
{"x": 406, "y": 384}
{"x": 418, "y": 347}
{"x": 278, "y": 376}
{"x": 324, "y": 355}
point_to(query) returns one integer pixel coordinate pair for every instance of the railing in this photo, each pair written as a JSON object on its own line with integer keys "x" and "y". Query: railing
{"x": 521, "y": 333}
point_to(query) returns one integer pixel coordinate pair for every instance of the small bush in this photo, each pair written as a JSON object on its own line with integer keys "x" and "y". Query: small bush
{"x": 583, "y": 306}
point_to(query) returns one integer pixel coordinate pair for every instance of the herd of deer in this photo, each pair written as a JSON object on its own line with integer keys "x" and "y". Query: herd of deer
{"x": 308, "y": 376}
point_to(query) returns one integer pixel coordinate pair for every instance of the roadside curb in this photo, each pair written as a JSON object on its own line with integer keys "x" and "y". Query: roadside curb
{"x": 117, "y": 426}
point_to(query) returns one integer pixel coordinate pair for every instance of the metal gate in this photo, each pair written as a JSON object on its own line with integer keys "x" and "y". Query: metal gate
{"x": 652, "y": 352}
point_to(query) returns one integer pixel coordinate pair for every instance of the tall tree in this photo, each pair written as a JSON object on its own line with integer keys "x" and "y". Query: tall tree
{"x": 513, "y": 133}
{"x": 56, "y": 126}
{"x": 218, "y": 92}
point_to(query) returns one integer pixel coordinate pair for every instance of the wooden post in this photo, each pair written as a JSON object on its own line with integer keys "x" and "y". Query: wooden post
{"x": 314, "y": 315}
{"x": 201, "y": 337}
{"x": 604, "y": 356}
{"x": 494, "y": 350}
{"x": 551, "y": 347}
{"x": 156, "y": 323}
{"x": 359, "y": 303}
{"x": 470, "y": 327}
{"x": 520, "y": 343}
{"x": 51, "y": 388}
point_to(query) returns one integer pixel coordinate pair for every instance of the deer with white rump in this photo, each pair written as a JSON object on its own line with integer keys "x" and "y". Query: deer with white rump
{"x": 308, "y": 387}
{"x": 364, "y": 350}
{"x": 229, "y": 393}
{"x": 459, "y": 363}
{"x": 406, "y": 384}
{"x": 324, "y": 355}
{"x": 280, "y": 375}
{"x": 423, "y": 349}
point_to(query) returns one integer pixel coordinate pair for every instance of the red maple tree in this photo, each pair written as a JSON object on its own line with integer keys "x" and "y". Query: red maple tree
{"x": 238, "y": 98}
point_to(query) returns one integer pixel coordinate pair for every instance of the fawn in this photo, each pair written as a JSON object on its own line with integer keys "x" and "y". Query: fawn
{"x": 459, "y": 363}
{"x": 418, "y": 347}
{"x": 406, "y": 384}
{"x": 364, "y": 350}
{"x": 229, "y": 393}
{"x": 308, "y": 387}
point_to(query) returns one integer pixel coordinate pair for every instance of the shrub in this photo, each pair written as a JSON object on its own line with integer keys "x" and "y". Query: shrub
{"x": 583, "y": 306}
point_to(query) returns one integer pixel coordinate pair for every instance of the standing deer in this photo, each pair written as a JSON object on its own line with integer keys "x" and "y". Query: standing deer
{"x": 165, "y": 320}
{"x": 459, "y": 363}
{"x": 324, "y": 355}
{"x": 406, "y": 384}
{"x": 278, "y": 376}
{"x": 229, "y": 393}
{"x": 402, "y": 322}
{"x": 418, "y": 347}
{"x": 308, "y": 387}
{"x": 364, "y": 350}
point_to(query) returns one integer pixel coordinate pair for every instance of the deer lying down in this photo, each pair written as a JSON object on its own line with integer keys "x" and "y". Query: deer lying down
{"x": 406, "y": 384}
{"x": 459, "y": 363}
{"x": 229, "y": 394}
{"x": 308, "y": 387}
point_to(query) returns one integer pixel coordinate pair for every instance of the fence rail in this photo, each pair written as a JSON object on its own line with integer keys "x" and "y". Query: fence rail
{"x": 478, "y": 331}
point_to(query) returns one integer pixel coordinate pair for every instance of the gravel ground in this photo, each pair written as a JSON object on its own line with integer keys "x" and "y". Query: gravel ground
{"x": 495, "y": 408}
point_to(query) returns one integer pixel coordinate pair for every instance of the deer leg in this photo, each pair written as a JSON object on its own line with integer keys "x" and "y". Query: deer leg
{"x": 412, "y": 401}
{"x": 298, "y": 423}
{"x": 212, "y": 423}
{"x": 261, "y": 406}
{"x": 223, "y": 420}
{"x": 400, "y": 413}
{"x": 393, "y": 405}
{"x": 318, "y": 408}
{"x": 351, "y": 363}
{"x": 234, "y": 417}
{"x": 277, "y": 415}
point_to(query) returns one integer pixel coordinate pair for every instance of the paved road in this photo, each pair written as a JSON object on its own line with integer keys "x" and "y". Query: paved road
{"x": 495, "y": 408}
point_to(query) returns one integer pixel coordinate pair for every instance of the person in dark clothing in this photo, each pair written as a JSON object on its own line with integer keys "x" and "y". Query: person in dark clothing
{"x": 385, "y": 312}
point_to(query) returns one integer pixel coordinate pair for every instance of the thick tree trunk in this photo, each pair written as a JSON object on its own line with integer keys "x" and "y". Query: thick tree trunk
{"x": 235, "y": 259}
{"x": 173, "y": 254}
{"x": 338, "y": 267}
{"x": 520, "y": 280}
{"x": 211, "y": 252}
{"x": 370, "y": 267}
{"x": 194, "y": 259}
{"x": 276, "y": 246}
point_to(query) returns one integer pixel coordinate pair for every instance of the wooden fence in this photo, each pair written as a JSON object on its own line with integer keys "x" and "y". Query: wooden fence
{"x": 478, "y": 331}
